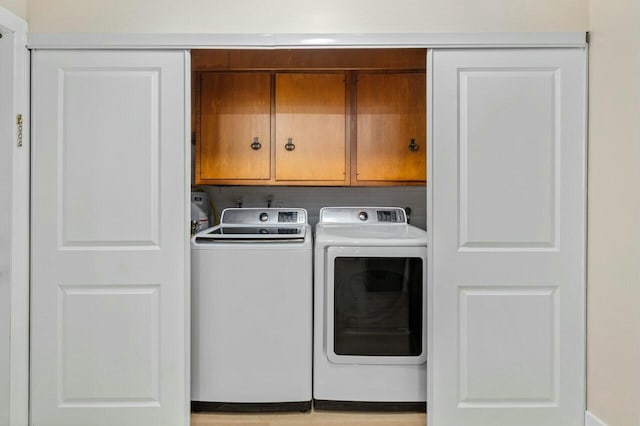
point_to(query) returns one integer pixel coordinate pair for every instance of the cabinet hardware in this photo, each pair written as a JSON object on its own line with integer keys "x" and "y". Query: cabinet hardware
{"x": 413, "y": 146}
{"x": 19, "y": 124}
{"x": 256, "y": 145}
{"x": 289, "y": 146}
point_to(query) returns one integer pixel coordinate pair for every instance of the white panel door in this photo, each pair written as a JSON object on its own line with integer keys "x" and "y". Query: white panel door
{"x": 509, "y": 192}
{"x": 110, "y": 287}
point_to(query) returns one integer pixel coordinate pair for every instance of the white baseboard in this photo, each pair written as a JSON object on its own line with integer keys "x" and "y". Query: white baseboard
{"x": 591, "y": 420}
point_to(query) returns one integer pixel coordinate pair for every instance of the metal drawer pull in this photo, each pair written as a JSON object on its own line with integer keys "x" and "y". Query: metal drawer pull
{"x": 413, "y": 146}
{"x": 256, "y": 145}
{"x": 289, "y": 146}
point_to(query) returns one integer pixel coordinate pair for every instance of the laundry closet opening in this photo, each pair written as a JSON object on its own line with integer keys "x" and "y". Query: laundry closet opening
{"x": 283, "y": 142}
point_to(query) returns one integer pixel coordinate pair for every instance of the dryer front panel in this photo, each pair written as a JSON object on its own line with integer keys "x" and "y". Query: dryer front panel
{"x": 376, "y": 305}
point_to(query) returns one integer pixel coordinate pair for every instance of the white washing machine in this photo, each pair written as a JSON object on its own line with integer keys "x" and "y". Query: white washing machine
{"x": 370, "y": 319}
{"x": 252, "y": 312}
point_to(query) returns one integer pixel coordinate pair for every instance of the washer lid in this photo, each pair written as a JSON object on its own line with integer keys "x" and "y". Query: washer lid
{"x": 250, "y": 233}
{"x": 337, "y": 234}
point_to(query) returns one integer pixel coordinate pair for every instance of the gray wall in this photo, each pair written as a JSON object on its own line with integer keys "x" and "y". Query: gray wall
{"x": 314, "y": 198}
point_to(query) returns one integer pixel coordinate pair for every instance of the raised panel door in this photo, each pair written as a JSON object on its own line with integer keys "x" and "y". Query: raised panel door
{"x": 109, "y": 240}
{"x": 508, "y": 283}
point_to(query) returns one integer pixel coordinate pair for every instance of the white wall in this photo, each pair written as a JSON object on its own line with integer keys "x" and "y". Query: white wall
{"x": 306, "y": 16}
{"x": 613, "y": 348}
{"x": 17, "y": 7}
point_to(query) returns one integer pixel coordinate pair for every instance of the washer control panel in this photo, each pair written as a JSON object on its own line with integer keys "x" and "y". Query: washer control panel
{"x": 264, "y": 216}
{"x": 288, "y": 217}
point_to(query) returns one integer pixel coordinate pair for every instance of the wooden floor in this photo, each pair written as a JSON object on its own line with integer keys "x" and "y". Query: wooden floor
{"x": 314, "y": 418}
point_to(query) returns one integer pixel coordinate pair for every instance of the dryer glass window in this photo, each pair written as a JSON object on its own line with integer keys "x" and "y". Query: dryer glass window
{"x": 378, "y": 306}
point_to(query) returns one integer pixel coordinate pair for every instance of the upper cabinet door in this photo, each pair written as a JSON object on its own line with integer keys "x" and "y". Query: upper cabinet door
{"x": 310, "y": 127}
{"x": 110, "y": 239}
{"x": 508, "y": 226}
{"x": 391, "y": 136}
{"x": 235, "y": 127}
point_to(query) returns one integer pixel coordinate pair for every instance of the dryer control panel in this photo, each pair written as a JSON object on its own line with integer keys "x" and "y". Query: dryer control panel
{"x": 363, "y": 215}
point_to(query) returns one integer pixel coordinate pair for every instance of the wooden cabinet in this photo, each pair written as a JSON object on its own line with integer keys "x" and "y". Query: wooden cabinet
{"x": 284, "y": 118}
{"x": 391, "y": 128}
{"x": 310, "y": 127}
{"x": 234, "y": 141}
{"x": 240, "y": 113}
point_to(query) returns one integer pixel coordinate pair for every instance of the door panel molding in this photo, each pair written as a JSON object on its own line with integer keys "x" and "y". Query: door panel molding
{"x": 531, "y": 222}
{"x": 507, "y": 311}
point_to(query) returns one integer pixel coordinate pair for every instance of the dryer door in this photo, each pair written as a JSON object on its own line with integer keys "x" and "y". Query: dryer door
{"x": 376, "y": 305}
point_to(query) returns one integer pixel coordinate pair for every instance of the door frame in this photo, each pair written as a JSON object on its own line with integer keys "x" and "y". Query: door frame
{"x": 18, "y": 74}
{"x": 80, "y": 41}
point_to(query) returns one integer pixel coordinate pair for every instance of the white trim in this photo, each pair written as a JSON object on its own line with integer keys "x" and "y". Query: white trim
{"x": 19, "y": 407}
{"x": 591, "y": 420}
{"x": 12, "y": 22}
{"x": 187, "y": 232}
{"x": 429, "y": 210}
{"x": 196, "y": 41}
{"x": 19, "y": 328}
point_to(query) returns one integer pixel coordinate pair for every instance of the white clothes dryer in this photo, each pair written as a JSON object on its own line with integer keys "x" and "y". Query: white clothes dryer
{"x": 370, "y": 316}
{"x": 252, "y": 312}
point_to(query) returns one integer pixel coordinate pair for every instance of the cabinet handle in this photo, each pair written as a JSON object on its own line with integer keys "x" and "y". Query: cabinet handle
{"x": 289, "y": 146}
{"x": 413, "y": 146}
{"x": 256, "y": 145}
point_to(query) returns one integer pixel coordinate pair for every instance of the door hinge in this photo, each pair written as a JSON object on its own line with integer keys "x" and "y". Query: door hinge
{"x": 19, "y": 124}
{"x": 588, "y": 37}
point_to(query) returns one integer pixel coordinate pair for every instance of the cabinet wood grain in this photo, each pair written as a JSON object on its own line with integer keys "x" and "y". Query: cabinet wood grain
{"x": 234, "y": 110}
{"x": 310, "y": 127}
{"x": 391, "y": 127}
{"x": 308, "y": 59}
